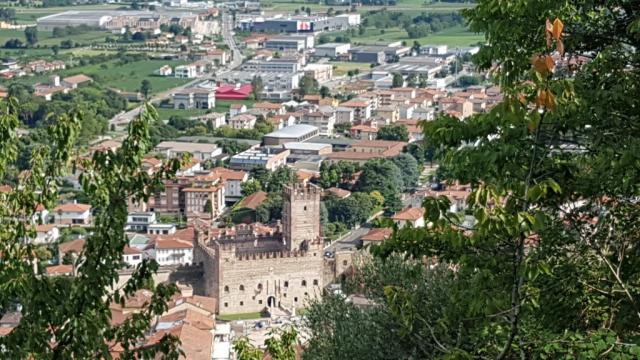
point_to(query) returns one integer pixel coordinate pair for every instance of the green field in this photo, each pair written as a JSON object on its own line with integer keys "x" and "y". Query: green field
{"x": 272, "y": 6}
{"x": 125, "y": 77}
{"x": 28, "y": 15}
{"x": 454, "y": 36}
{"x": 46, "y": 37}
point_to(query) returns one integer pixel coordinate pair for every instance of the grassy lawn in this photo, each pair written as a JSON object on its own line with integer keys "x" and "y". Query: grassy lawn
{"x": 243, "y": 316}
{"x": 342, "y": 67}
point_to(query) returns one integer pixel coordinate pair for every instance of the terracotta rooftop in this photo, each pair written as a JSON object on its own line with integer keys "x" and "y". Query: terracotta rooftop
{"x": 267, "y": 105}
{"x": 237, "y": 106}
{"x": 75, "y": 208}
{"x": 253, "y": 201}
{"x": 77, "y": 79}
{"x": 72, "y": 246}
{"x": 190, "y": 317}
{"x": 340, "y": 193}
{"x": 59, "y": 269}
{"x": 174, "y": 241}
{"x": 409, "y": 214}
{"x": 128, "y": 250}
{"x": 195, "y": 343}
{"x": 377, "y": 234}
{"x": 228, "y": 174}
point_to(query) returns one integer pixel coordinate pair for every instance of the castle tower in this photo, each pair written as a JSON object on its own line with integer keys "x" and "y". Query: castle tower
{"x": 301, "y": 215}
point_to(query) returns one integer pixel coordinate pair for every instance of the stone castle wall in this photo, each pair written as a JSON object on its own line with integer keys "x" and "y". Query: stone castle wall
{"x": 286, "y": 279}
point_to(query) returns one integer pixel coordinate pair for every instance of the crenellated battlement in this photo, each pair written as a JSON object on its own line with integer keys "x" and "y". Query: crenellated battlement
{"x": 301, "y": 192}
{"x": 271, "y": 255}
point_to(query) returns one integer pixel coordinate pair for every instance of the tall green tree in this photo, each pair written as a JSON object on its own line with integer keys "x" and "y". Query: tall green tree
{"x": 397, "y": 80}
{"x": 257, "y": 86}
{"x": 31, "y": 35}
{"x": 393, "y": 132}
{"x": 384, "y": 176}
{"x": 69, "y": 317}
{"x": 308, "y": 85}
{"x": 145, "y": 88}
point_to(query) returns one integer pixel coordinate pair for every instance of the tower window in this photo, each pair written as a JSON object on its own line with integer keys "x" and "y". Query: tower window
{"x": 226, "y": 304}
{"x": 259, "y": 286}
{"x": 305, "y": 208}
{"x": 226, "y": 289}
{"x": 241, "y": 287}
{"x": 315, "y": 282}
{"x": 260, "y": 302}
{"x": 241, "y": 303}
{"x": 304, "y": 282}
{"x": 295, "y": 299}
{"x": 286, "y": 284}
{"x": 344, "y": 263}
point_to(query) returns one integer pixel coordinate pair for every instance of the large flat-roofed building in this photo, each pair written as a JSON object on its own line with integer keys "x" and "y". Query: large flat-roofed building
{"x": 272, "y": 65}
{"x": 294, "y": 133}
{"x": 371, "y": 53}
{"x": 306, "y": 148}
{"x": 267, "y": 158}
{"x": 365, "y": 150}
{"x": 413, "y": 65}
{"x": 199, "y": 151}
{"x": 300, "y": 24}
{"x": 332, "y": 50}
{"x": 285, "y": 43}
{"x": 93, "y": 18}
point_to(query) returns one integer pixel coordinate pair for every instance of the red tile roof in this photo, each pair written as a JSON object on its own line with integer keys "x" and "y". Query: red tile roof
{"x": 59, "y": 269}
{"x": 340, "y": 193}
{"x": 409, "y": 214}
{"x": 72, "y": 246}
{"x": 253, "y": 201}
{"x": 377, "y": 234}
{"x": 75, "y": 208}
{"x": 77, "y": 79}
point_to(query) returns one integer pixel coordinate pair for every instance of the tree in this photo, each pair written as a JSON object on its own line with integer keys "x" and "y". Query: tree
{"x": 393, "y": 132}
{"x": 281, "y": 345}
{"x": 548, "y": 268}
{"x": 397, "y": 81}
{"x": 251, "y": 186}
{"x": 257, "y": 87}
{"x": 384, "y": 176}
{"x": 145, "y": 88}
{"x": 55, "y": 49}
{"x": 13, "y": 44}
{"x": 352, "y": 210}
{"x": 325, "y": 92}
{"x": 76, "y": 323}
{"x": 308, "y": 85}
{"x": 409, "y": 168}
{"x": 31, "y": 34}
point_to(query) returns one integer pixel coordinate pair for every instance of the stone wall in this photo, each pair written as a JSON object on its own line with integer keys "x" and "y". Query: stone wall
{"x": 286, "y": 279}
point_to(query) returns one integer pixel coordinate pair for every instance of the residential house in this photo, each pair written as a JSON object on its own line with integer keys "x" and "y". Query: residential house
{"x": 242, "y": 121}
{"x": 59, "y": 270}
{"x": 270, "y": 107}
{"x": 281, "y": 121}
{"x": 72, "y": 214}
{"x": 245, "y": 210}
{"x": 185, "y": 71}
{"x": 323, "y": 120}
{"x": 361, "y": 109}
{"x": 215, "y": 119}
{"x": 161, "y": 229}
{"x": 174, "y": 249}
{"x": 364, "y": 150}
{"x": 363, "y": 132}
{"x": 140, "y": 221}
{"x": 267, "y": 158}
{"x": 46, "y": 234}
{"x": 390, "y": 113}
{"x": 73, "y": 248}
{"x": 236, "y": 109}
{"x": 409, "y": 216}
{"x": 345, "y": 115}
{"x": 73, "y": 82}
{"x": 131, "y": 256}
{"x": 164, "y": 70}
{"x": 376, "y": 236}
{"x": 233, "y": 180}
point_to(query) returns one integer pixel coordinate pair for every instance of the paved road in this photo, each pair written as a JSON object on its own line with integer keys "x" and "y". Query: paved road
{"x": 121, "y": 120}
{"x": 350, "y": 241}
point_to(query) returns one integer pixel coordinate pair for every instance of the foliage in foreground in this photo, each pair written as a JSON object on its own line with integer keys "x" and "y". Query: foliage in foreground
{"x": 550, "y": 269}
{"x": 69, "y": 317}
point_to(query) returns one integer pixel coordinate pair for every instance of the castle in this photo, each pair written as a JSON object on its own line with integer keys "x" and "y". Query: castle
{"x": 252, "y": 267}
